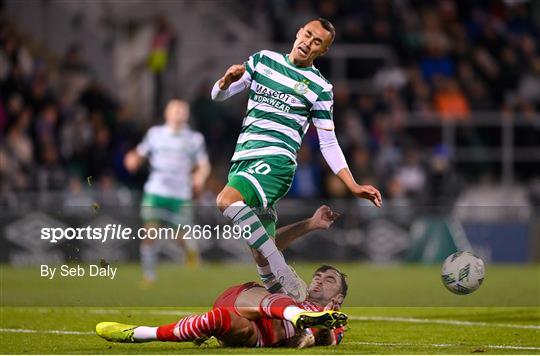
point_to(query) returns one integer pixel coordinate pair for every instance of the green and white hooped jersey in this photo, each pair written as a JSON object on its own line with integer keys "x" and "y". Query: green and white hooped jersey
{"x": 172, "y": 157}
{"x": 283, "y": 100}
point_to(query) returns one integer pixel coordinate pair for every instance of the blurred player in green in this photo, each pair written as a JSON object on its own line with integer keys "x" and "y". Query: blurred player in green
{"x": 179, "y": 167}
{"x": 286, "y": 94}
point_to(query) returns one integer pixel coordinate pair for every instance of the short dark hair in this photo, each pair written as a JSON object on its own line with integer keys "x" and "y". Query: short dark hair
{"x": 344, "y": 285}
{"x": 327, "y": 25}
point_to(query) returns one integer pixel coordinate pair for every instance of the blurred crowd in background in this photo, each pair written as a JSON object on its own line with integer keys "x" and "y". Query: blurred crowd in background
{"x": 59, "y": 126}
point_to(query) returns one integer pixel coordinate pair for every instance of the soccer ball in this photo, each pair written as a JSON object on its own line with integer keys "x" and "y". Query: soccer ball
{"x": 462, "y": 272}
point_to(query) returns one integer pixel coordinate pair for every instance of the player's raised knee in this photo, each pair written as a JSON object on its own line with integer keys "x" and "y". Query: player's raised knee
{"x": 226, "y": 197}
{"x": 221, "y": 202}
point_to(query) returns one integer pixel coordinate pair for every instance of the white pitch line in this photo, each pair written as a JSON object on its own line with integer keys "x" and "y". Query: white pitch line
{"x": 61, "y": 332}
{"x": 116, "y": 311}
{"x": 443, "y": 321}
{"x": 147, "y": 312}
{"x": 397, "y": 344}
{"x": 352, "y": 317}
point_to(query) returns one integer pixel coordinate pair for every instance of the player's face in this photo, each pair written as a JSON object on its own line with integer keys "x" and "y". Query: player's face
{"x": 325, "y": 286}
{"x": 177, "y": 114}
{"x": 312, "y": 40}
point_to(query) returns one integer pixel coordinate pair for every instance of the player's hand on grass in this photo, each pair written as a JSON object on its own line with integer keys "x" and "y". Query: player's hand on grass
{"x": 234, "y": 73}
{"x": 368, "y": 192}
{"x": 323, "y": 218}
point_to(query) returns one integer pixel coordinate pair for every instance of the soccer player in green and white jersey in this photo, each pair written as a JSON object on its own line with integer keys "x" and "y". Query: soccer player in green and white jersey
{"x": 179, "y": 167}
{"x": 286, "y": 94}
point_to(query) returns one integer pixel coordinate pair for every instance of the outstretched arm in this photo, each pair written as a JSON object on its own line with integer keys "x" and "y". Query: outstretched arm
{"x": 336, "y": 160}
{"x": 235, "y": 80}
{"x": 323, "y": 218}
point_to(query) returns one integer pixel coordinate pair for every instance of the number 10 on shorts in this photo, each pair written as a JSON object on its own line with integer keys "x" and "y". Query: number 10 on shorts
{"x": 259, "y": 167}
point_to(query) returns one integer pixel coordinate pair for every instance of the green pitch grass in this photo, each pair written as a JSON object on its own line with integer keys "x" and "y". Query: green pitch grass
{"x": 392, "y": 309}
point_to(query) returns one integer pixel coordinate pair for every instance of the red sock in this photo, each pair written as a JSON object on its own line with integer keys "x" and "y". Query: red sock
{"x": 166, "y": 332}
{"x": 273, "y": 305}
{"x": 213, "y": 323}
